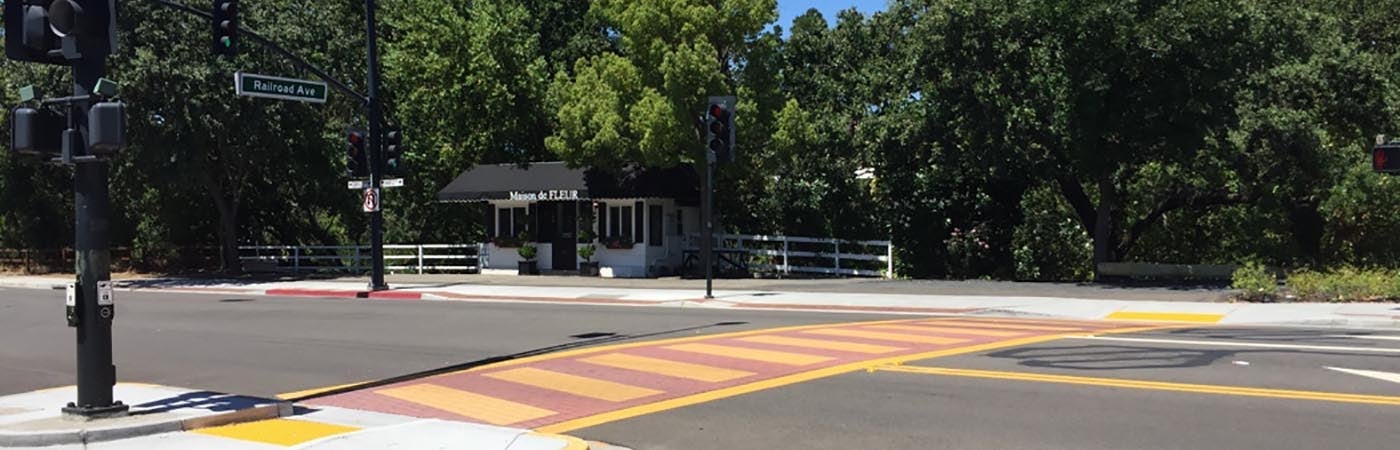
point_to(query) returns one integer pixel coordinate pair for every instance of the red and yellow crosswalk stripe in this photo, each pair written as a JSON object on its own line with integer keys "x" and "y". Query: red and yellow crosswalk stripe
{"x": 698, "y": 372}
{"x": 574, "y": 384}
{"x": 469, "y": 404}
{"x": 567, "y": 390}
{"x": 887, "y": 336}
{"x": 822, "y": 344}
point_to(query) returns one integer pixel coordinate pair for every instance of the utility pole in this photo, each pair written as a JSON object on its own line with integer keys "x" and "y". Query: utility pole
{"x": 376, "y": 152}
{"x": 707, "y": 212}
{"x": 92, "y": 206}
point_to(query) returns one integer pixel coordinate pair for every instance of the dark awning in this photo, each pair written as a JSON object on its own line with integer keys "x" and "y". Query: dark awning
{"x": 555, "y": 181}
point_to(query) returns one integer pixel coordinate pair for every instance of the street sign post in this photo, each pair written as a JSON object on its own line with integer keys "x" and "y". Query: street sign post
{"x": 254, "y": 85}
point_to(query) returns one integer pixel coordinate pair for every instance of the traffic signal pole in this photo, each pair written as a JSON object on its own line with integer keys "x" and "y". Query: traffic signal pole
{"x": 376, "y": 152}
{"x": 92, "y": 207}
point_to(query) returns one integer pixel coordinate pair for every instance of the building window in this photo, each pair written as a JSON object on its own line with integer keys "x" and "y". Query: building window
{"x": 654, "y": 226}
{"x": 510, "y": 222}
{"x": 618, "y": 225}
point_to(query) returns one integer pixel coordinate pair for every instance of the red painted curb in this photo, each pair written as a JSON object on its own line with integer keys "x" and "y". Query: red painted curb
{"x": 396, "y": 295}
{"x": 293, "y": 292}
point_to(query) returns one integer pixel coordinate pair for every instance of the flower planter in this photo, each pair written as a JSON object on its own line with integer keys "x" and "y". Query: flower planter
{"x": 588, "y": 269}
{"x": 619, "y": 245}
{"x": 528, "y": 267}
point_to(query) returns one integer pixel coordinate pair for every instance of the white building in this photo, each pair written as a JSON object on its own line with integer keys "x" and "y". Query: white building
{"x": 637, "y": 219}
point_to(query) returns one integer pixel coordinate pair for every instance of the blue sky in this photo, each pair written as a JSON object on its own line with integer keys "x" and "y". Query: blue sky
{"x": 788, "y": 9}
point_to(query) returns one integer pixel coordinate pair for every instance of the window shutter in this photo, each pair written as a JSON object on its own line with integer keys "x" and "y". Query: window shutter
{"x": 637, "y": 222}
{"x": 532, "y": 221}
{"x": 655, "y": 225}
{"x": 490, "y": 221}
{"x": 603, "y": 221}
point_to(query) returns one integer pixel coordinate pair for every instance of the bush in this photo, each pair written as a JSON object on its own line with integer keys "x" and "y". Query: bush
{"x": 527, "y": 252}
{"x": 1255, "y": 282}
{"x": 1347, "y": 284}
{"x": 586, "y": 252}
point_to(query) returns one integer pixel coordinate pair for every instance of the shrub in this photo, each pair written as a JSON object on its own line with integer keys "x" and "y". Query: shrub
{"x": 1255, "y": 282}
{"x": 1347, "y": 284}
{"x": 586, "y": 252}
{"x": 527, "y": 251}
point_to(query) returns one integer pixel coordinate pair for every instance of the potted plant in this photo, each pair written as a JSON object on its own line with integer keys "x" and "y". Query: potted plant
{"x": 589, "y": 267}
{"x": 527, "y": 252}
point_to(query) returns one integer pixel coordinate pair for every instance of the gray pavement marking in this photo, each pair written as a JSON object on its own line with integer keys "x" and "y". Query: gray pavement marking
{"x": 1237, "y": 344}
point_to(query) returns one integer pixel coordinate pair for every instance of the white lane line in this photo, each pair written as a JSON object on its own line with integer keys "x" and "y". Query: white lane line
{"x": 1385, "y": 376}
{"x": 1238, "y": 344}
{"x": 1367, "y": 336}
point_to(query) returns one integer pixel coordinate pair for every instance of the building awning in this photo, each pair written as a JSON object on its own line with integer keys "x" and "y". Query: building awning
{"x": 545, "y": 181}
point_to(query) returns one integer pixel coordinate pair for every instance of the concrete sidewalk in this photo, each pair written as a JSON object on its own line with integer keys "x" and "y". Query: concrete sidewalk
{"x": 168, "y": 417}
{"x": 997, "y": 299}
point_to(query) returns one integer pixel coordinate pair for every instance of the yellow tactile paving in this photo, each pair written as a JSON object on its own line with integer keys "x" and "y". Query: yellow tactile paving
{"x": 698, "y": 372}
{"x": 967, "y": 331}
{"x": 574, "y": 384}
{"x": 854, "y": 347}
{"x": 1005, "y": 326}
{"x": 885, "y": 336}
{"x": 769, "y": 356}
{"x": 1166, "y": 316}
{"x": 484, "y": 408}
{"x": 285, "y": 432}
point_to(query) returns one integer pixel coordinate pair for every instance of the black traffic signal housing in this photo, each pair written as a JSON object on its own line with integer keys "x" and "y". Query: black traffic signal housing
{"x": 59, "y": 31}
{"x": 356, "y": 153}
{"x": 36, "y": 132}
{"x": 225, "y": 35}
{"x": 393, "y": 151}
{"x": 719, "y": 128}
{"x": 1385, "y": 158}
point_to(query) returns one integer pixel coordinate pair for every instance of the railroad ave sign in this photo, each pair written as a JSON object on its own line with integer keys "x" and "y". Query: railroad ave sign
{"x": 371, "y": 203}
{"x": 254, "y": 85}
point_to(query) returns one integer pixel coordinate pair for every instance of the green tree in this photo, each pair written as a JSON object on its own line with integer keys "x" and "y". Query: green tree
{"x": 639, "y": 105}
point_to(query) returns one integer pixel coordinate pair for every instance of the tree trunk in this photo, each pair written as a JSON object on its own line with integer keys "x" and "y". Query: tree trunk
{"x": 228, "y": 226}
{"x": 1103, "y": 223}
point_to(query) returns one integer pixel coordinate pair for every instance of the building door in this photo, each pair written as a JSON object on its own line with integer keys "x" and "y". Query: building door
{"x": 565, "y": 250}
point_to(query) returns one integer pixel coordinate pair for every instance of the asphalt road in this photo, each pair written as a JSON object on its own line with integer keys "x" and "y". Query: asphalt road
{"x": 271, "y": 345}
{"x": 993, "y": 399}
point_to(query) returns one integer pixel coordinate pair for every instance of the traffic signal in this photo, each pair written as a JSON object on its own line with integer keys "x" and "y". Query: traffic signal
{"x": 36, "y": 132}
{"x": 58, "y": 31}
{"x": 1386, "y": 157}
{"x": 356, "y": 158}
{"x": 719, "y": 128}
{"x": 393, "y": 151}
{"x": 225, "y": 27}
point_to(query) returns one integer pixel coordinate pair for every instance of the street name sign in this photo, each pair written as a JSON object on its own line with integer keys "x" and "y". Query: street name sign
{"x": 391, "y": 182}
{"x": 254, "y": 85}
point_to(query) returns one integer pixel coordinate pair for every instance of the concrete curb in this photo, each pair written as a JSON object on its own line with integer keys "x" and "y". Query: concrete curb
{"x": 174, "y": 424}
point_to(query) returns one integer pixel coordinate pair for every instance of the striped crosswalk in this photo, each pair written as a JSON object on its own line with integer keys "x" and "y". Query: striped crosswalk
{"x": 571, "y": 389}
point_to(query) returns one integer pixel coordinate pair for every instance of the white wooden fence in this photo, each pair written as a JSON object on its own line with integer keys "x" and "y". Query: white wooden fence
{"x": 403, "y": 258}
{"x": 797, "y": 254}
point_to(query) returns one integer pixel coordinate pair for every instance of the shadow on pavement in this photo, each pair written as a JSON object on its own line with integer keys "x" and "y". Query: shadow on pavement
{"x": 212, "y": 401}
